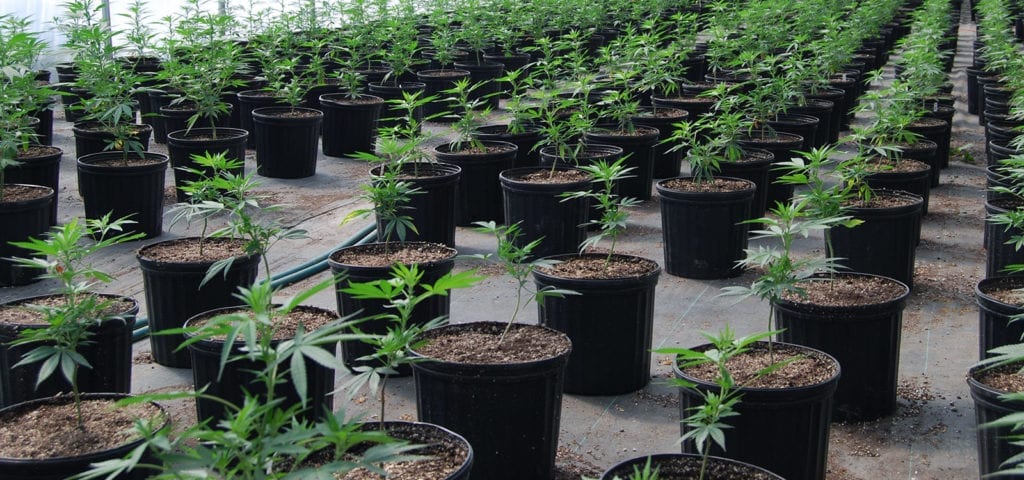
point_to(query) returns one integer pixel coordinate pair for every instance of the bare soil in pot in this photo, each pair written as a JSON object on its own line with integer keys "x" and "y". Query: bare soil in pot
{"x": 446, "y": 452}
{"x": 880, "y": 165}
{"x": 688, "y": 467}
{"x": 801, "y": 368}
{"x": 883, "y": 200}
{"x": 552, "y": 177}
{"x": 847, "y": 291}
{"x": 713, "y": 186}
{"x": 1005, "y": 379}
{"x": 598, "y": 266}
{"x": 20, "y": 193}
{"x": 480, "y": 345}
{"x": 127, "y": 160}
{"x": 193, "y": 250}
{"x": 23, "y": 312}
{"x": 384, "y": 255}
{"x": 50, "y": 430}
{"x": 285, "y": 326}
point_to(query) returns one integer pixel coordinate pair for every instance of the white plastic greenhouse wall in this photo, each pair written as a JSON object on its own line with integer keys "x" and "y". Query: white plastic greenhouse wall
{"x": 43, "y": 12}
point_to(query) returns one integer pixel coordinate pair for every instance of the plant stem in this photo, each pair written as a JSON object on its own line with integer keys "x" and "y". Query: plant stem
{"x": 383, "y": 399}
{"x": 78, "y": 399}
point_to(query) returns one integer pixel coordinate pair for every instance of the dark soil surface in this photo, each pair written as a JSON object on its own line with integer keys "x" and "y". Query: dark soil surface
{"x": 800, "y": 368}
{"x": 597, "y": 266}
{"x": 194, "y": 250}
{"x": 484, "y": 344}
{"x": 52, "y": 429}
{"x": 379, "y": 255}
{"x": 847, "y": 291}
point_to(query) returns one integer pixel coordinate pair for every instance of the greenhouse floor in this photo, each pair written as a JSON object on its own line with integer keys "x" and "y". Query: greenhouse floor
{"x": 930, "y": 436}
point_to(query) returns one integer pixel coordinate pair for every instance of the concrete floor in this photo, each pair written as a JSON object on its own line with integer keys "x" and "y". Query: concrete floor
{"x": 931, "y": 436}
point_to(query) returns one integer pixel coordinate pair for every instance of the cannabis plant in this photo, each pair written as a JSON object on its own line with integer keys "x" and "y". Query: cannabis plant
{"x": 707, "y": 422}
{"x": 611, "y": 205}
{"x": 515, "y": 258}
{"x": 64, "y": 254}
{"x": 402, "y": 292}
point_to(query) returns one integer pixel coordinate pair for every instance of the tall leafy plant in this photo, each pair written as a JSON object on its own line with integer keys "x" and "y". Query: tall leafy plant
{"x": 64, "y": 255}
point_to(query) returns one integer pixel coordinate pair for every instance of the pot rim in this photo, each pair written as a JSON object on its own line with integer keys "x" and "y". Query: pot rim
{"x": 516, "y": 366}
{"x": 707, "y": 385}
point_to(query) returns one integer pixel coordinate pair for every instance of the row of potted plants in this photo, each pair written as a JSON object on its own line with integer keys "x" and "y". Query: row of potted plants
{"x": 612, "y": 217}
{"x": 994, "y": 94}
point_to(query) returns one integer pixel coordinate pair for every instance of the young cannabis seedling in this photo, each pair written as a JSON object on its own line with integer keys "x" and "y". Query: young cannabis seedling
{"x": 214, "y": 175}
{"x": 516, "y": 260}
{"x": 64, "y": 255}
{"x": 402, "y": 292}
{"x": 707, "y": 421}
{"x": 783, "y": 273}
{"x": 612, "y": 206}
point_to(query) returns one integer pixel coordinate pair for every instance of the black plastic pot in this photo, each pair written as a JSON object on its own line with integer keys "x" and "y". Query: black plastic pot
{"x": 60, "y": 468}
{"x": 783, "y": 146}
{"x": 390, "y": 116}
{"x": 638, "y": 150}
{"x": 996, "y": 177}
{"x": 1000, "y": 250}
{"x": 353, "y": 350}
{"x": 484, "y": 73}
{"x": 350, "y": 125}
{"x": 666, "y": 164}
{"x": 109, "y": 353}
{"x": 433, "y": 440}
{"x": 44, "y": 129}
{"x": 918, "y": 183}
{"x": 994, "y": 448}
{"x": 938, "y": 131}
{"x": 695, "y": 106}
{"x": 542, "y": 213}
{"x": 754, "y": 166}
{"x": 182, "y": 144}
{"x": 527, "y": 155}
{"x": 91, "y": 138}
{"x": 702, "y": 232}
{"x": 804, "y": 126}
{"x": 784, "y": 430}
{"x": 286, "y": 145}
{"x": 996, "y": 327}
{"x": 885, "y": 243}
{"x": 250, "y": 100}
{"x": 509, "y": 412}
{"x": 822, "y": 110}
{"x": 512, "y": 62}
{"x": 678, "y": 466}
{"x": 866, "y": 342}
{"x": 238, "y": 376}
{"x": 972, "y": 89}
{"x": 840, "y": 105}
{"x": 135, "y": 191}
{"x": 42, "y": 170}
{"x": 156, "y": 99}
{"x": 433, "y": 209}
{"x": 435, "y": 83}
{"x": 610, "y": 323}
{"x": 176, "y": 117}
{"x": 479, "y": 194}
{"x": 19, "y": 221}
{"x": 588, "y": 154}
{"x": 997, "y": 153}
{"x": 935, "y": 109}
{"x": 175, "y": 293}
